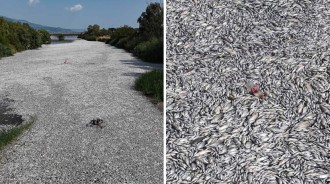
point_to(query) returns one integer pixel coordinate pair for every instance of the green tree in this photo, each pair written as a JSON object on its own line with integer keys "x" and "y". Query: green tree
{"x": 151, "y": 21}
{"x": 93, "y": 29}
{"x": 103, "y": 32}
{"x": 122, "y": 32}
{"x": 4, "y": 31}
{"x": 24, "y": 37}
{"x": 35, "y": 39}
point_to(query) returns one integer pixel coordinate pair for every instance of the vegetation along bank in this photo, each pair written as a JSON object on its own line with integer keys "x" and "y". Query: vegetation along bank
{"x": 16, "y": 37}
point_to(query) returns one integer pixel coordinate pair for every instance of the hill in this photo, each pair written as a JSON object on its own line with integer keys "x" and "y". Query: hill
{"x": 48, "y": 28}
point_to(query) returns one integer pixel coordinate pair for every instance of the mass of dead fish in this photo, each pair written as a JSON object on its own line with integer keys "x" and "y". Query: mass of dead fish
{"x": 216, "y": 131}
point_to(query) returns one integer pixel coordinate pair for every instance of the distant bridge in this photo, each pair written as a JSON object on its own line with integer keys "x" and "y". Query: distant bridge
{"x": 63, "y": 35}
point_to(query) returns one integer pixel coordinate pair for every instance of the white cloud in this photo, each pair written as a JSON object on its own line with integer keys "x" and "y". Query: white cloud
{"x": 76, "y": 7}
{"x": 33, "y": 2}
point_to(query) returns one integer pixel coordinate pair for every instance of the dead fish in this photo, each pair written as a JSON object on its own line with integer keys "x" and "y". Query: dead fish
{"x": 244, "y": 113}
{"x": 202, "y": 153}
{"x": 217, "y": 118}
{"x": 323, "y": 123}
{"x": 325, "y": 108}
{"x": 300, "y": 108}
{"x": 309, "y": 87}
{"x": 209, "y": 28}
{"x": 253, "y": 117}
{"x": 217, "y": 110}
{"x": 267, "y": 94}
{"x": 260, "y": 95}
{"x": 249, "y": 41}
{"x": 303, "y": 125}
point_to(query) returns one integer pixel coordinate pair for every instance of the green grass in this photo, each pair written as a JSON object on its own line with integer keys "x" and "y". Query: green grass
{"x": 10, "y": 136}
{"x": 151, "y": 84}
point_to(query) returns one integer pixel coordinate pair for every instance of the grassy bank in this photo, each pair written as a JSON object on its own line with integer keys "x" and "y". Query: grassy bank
{"x": 151, "y": 84}
{"x": 10, "y": 136}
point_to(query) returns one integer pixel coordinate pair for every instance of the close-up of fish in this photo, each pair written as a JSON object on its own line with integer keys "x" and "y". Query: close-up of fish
{"x": 247, "y": 91}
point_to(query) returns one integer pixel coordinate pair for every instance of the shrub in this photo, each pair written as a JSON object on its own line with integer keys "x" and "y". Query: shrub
{"x": 122, "y": 42}
{"x": 45, "y": 36}
{"x": 151, "y": 84}
{"x": 12, "y": 48}
{"x": 108, "y": 41}
{"x": 35, "y": 39}
{"x": 113, "y": 41}
{"x": 132, "y": 43}
{"x": 24, "y": 37}
{"x": 5, "y": 51}
{"x": 15, "y": 37}
{"x": 151, "y": 51}
{"x": 90, "y": 38}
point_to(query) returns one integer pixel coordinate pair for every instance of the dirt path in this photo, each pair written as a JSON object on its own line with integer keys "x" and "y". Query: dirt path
{"x": 97, "y": 81}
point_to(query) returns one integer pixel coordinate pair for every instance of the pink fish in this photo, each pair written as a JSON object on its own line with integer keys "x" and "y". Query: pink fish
{"x": 254, "y": 89}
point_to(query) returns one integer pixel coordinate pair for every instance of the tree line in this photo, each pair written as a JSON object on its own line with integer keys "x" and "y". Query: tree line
{"x": 145, "y": 42}
{"x": 16, "y": 37}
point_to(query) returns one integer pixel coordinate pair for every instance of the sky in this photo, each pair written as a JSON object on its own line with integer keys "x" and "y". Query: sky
{"x": 76, "y": 14}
